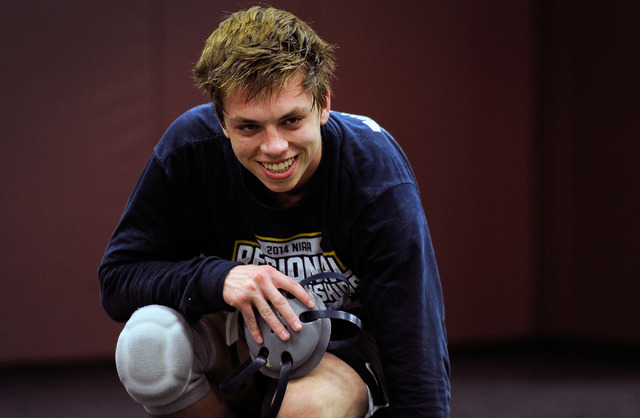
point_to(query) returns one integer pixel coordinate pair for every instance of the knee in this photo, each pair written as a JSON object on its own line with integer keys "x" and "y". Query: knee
{"x": 299, "y": 404}
{"x": 161, "y": 359}
{"x": 332, "y": 389}
{"x": 318, "y": 401}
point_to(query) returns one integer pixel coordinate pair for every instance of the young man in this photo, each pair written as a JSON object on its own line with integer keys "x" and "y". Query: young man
{"x": 243, "y": 199}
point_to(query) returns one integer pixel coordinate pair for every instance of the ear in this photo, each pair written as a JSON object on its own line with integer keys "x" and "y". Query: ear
{"x": 324, "y": 113}
{"x": 224, "y": 130}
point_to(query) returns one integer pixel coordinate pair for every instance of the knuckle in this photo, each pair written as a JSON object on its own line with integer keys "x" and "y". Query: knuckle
{"x": 251, "y": 287}
{"x": 244, "y": 299}
{"x": 260, "y": 278}
{"x": 266, "y": 312}
{"x": 268, "y": 268}
{"x": 280, "y": 300}
{"x": 251, "y": 323}
{"x": 266, "y": 272}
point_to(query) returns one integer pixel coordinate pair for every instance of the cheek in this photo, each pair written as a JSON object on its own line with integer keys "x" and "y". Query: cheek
{"x": 316, "y": 140}
{"x": 317, "y": 145}
{"x": 241, "y": 148}
{"x": 310, "y": 137}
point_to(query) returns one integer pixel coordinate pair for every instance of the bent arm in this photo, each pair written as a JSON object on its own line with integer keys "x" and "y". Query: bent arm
{"x": 192, "y": 287}
{"x": 152, "y": 259}
{"x": 402, "y": 293}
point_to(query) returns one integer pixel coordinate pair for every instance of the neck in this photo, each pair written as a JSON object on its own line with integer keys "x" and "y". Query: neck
{"x": 287, "y": 199}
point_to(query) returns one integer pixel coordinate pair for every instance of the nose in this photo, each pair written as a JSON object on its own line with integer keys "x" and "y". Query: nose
{"x": 273, "y": 144}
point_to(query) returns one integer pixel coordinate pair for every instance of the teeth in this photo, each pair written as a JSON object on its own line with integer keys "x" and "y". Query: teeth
{"x": 280, "y": 167}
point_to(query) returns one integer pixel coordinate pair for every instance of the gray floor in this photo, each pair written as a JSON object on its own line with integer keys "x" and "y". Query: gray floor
{"x": 486, "y": 382}
{"x": 567, "y": 382}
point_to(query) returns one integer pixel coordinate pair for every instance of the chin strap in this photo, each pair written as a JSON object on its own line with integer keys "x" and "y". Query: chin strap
{"x": 338, "y": 303}
{"x": 270, "y": 410}
{"x": 243, "y": 372}
{"x": 311, "y": 316}
{"x": 332, "y": 311}
{"x": 275, "y": 393}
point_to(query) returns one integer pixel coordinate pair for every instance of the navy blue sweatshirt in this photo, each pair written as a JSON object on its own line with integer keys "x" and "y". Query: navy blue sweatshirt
{"x": 196, "y": 212}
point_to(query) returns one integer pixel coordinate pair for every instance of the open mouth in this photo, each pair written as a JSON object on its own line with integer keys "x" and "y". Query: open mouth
{"x": 279, "y": 167}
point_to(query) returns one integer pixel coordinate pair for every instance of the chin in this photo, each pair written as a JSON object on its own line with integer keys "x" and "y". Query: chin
{"x": 280, "y": 190}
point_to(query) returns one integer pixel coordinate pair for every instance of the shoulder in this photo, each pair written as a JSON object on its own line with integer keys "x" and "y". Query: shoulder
{"x": 347, "y": 126}
{"x": 196, "y": 127}
{"x": 367, "y": 153}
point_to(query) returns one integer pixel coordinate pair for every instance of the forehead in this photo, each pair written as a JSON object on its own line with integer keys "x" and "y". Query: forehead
{"x": 290, "y": 92}
{"x": 268, "y": 104}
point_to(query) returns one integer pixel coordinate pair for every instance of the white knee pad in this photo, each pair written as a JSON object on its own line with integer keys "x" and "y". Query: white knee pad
{"x": 161, "y": 359}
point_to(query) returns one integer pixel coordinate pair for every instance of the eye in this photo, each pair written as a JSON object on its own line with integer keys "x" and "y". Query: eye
{"x": 247, "y": 129}
{"x": 293, "y": 122}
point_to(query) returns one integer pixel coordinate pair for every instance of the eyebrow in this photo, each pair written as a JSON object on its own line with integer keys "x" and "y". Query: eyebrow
{"x": 240, "y": 120}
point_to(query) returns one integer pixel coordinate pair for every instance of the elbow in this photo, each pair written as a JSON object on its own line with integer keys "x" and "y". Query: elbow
{"x": 110, "y": 297}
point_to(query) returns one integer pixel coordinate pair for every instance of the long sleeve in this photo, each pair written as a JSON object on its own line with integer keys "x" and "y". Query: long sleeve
{"x": 153, "y": 257}
{"x": 401, "y": 289}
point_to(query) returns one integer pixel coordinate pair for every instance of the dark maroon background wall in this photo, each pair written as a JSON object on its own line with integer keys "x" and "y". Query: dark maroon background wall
{"x": 588, "y": 154}
{"x": 87, "y": 88}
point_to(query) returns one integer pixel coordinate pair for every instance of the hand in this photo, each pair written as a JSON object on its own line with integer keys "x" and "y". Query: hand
{"x": 249, "y": 286}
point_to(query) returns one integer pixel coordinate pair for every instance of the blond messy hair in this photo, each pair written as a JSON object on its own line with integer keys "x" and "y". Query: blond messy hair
{"x": 258, "y": 50}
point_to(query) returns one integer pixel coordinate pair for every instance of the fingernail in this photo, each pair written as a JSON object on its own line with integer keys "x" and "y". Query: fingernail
{"x": 297, "y": 325}
{"x": 284, "y": 335}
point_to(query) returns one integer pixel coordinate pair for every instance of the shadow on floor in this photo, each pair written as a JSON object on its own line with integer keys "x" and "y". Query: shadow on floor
{"x": 548, "y": 380}
{"x": 516, "y": 381}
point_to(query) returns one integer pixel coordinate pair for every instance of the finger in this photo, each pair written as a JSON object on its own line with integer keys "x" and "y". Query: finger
{"x": 273, "y": 319}
{"x": 290, "y": 285}
{"x": 252, "y": 325}
{"x": 283, "y": 307}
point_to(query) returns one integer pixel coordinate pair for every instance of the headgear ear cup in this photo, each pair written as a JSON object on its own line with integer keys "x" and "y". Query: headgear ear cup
{"x": 306, "y": 347}
{"x": 300, "y": 354}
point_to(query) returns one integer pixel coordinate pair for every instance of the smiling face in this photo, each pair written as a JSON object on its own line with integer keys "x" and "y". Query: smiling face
{"x": 277, "y": 137}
